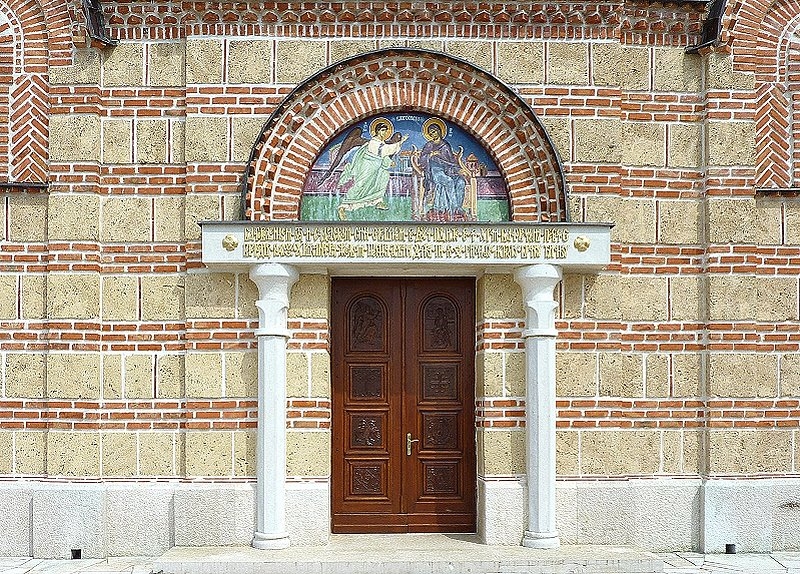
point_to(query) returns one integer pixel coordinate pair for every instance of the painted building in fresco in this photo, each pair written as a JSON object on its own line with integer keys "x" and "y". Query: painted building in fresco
{"x": 270, "y": 271}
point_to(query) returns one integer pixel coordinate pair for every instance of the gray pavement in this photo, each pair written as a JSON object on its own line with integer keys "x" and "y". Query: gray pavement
{"x": 674, "y": 563}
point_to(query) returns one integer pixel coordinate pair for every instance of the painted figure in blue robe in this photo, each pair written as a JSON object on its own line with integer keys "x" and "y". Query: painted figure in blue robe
{"x": 444, "y": 184}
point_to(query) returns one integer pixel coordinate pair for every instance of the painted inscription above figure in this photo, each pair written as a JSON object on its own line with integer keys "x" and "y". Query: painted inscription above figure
{"x": 404, "y": 167}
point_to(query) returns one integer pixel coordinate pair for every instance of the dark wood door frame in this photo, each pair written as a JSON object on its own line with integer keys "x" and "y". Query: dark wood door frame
{"x": 403, "y": 354}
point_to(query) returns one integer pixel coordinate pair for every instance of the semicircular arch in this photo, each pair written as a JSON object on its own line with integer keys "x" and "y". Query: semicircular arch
{"x": 396, "y": 80}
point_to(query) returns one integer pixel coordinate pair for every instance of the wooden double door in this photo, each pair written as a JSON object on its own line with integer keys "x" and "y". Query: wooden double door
{"x": 403, "y": 425}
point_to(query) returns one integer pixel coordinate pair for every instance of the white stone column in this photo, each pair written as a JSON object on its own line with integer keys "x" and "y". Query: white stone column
{"x": 538, "y": 282}
{"x": 274, "y": 283}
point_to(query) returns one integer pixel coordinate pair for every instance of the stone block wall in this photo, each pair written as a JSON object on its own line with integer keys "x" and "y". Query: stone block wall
{"x": 123, "y": 358}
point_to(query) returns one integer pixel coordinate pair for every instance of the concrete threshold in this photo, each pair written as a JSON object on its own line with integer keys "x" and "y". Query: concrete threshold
{"x": 407, "y": 554}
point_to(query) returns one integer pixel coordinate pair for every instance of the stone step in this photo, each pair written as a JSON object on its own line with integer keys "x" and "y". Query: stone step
{"x": 408, "y": 554}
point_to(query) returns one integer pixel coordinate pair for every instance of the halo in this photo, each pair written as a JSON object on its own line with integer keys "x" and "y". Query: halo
{"x": 433, "y": 122}
{"x": 381, "y": 120}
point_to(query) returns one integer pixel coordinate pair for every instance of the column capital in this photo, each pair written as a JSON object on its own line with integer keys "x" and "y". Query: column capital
{"x": 274, "y": 282}
{"x": 538, "y": 282}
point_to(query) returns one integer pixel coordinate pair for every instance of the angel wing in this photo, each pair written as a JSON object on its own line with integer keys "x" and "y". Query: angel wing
{"x": 353, "y": 139}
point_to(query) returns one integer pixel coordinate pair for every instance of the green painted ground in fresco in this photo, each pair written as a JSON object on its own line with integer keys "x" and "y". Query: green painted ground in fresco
{"x": 399, "y": 209}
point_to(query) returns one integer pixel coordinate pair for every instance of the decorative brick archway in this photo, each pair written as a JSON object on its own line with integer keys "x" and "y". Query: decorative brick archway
{"x": 404, "y": 79}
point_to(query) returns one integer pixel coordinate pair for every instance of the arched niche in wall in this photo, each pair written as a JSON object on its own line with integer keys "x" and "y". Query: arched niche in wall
{"x": 397, "y": 83}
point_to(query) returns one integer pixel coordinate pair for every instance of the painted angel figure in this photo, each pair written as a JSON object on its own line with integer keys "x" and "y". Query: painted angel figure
{"x": 365, "y": 176}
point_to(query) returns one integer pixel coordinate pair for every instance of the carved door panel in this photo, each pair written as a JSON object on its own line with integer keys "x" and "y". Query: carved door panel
{"x": 403, "y": 405}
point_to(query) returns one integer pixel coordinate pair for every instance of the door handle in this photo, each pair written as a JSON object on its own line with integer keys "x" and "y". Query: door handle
{"x": 410, "y": 441}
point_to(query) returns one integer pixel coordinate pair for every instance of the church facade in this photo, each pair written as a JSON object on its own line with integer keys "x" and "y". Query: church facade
{"x": 275, "y": 270}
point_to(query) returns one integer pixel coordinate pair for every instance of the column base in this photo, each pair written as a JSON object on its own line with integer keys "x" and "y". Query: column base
{"x": 271, "y": 541}
{"x": 540, "y": 540}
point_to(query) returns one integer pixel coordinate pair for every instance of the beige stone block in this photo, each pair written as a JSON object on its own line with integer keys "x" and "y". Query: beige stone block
{"x": 657, "y": 380}
{"x": 244, "y": 453}
{"x": 744, "y": 221}
{"x": 500, "y": 452}
{"x": 567, "y": 453}
{"x": 203, "y": 374}
{"x": 241, "y": 374}
{"x": 73, "y": 453}
{"x": 206, "y": 139}
{"x": 568, "y": 63}
{"x": 491, "y": 374}
{"x": 721, "y": 76}
{"x": 117, "y": 141}
{"x": 693, "y": 455}
{"x": 9, "y": 292}
{"x": 209, "y": 453}
{"x": 85, "y": 69}
{"x": 298, "y": 59}
{"x": 320, "y": 374}
{"x": 431, "y": 45}
{"x": 73, "y": 217}
{"x": 644, "y": 143}
{"x": 309, "y": 297}
{"x": 73, "y": 296}
{"x": 151, "y": 141}
{"x": 626, "y": 297}
{"x": 731, "y": 142}
{"x": 156, "y": 452}
{"x": 250, "y": 61}
{"x": 624, "y": 66}
{"x": 126, "y": 219}
{"x": 611, "y": 453}
{"x": 790, "y": 375}
{"x": 560, "y": 133}
{"x": 112, "y": 376}
{"x": 576, "y": 374}
{"x": 162, "y": 297}
{"x": 202, "y": 207}
{"x": 232, "y": 207}
{"x": 139, "y": 376}
{"x": 572, "y": 289}
{"x": 168, "y": 219}
{"x": 119, "y": 454}
{"x": 170, "y": 376}
{"x": 672, "y": 451}
{"x": 679, "y": 222}
{"x": 621, "y": 375}
{"x": 34, "y": 291}
{"x": 248, "y": 295}
{"x": 685, "y": 144}
{"x": 6, "y": 452}
{"x": 520, "y": 62}
{"x": 677, "y": 71}
{"x": 74, "y": 138}
{"x": 515, "y": 374}
{"x": 634, "y": 219}
{"x": 27, "y": 217}
{"x": 204, "y": 61}
{"x": 166, "y": 64}
{"x": 297, "y": 374}
{"x": 743, "y": 375}
{"x": 687, "y": 375}
{"x": 124, "y": 65}
{"x": 245, "y": 134}
{"x": 742, "y": 297}
{"x": 73, "y": 375}
{"x": 685, "y": 298}
{"x": 499, "y": 297}
{"x": 210, "y": 295}
{"x": 308, "y": 453}
{"x": 749, "y": 451}
{"x": 477, "y": 53}
{"x": 25, "y": 375}
{"x": 29, "y": 451}
{"x": 341, "y": 49}
{"x": 177, "y": 142}
{"x": 598, "y": 140}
